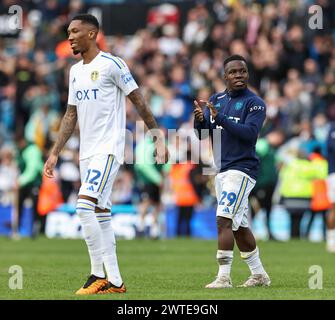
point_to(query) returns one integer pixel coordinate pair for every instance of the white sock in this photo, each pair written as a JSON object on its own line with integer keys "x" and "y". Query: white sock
{"x": 225, "y": 260}
{"x": 109, "y": 249}
{"x": 253, "y": 261}
{"x": 92, "y": 234}
{"x": 140, "y": 224}
{"x": 154, "y": 230}
{"x": 330, "y": 237}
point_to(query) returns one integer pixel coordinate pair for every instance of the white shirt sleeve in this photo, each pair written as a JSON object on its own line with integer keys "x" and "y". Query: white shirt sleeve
{"x": 72, "y": 94}
{"x": 122, "y": 77}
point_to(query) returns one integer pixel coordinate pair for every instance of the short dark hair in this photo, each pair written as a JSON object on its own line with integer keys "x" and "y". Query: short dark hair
{"x": 233, "y": 58}
{"x": 87, "y": 18}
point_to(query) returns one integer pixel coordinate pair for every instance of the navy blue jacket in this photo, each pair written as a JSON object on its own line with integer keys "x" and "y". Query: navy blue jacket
{"x": 240, "y": 118}
{"x": 331, "y": 149}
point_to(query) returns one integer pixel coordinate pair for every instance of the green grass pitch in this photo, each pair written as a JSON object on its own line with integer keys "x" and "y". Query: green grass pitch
{"x": 164, "y": 269}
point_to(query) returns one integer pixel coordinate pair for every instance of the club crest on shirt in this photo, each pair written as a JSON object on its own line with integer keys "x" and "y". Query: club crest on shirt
{"x": 94, "y": 75}
{"x": 238, "y": 105}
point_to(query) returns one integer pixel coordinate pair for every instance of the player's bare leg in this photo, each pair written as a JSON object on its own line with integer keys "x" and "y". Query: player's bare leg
{"x": 224, "y": 254}
{"x": 246, "y": 243}
{"x": 225, "y": 233}
{"x": 245, "y": 240}
{"x": 331, "y": 229}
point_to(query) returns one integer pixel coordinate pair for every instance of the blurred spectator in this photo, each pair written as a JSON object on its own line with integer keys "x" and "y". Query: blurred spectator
{"x": 185, "y": 197}
{"x": 30, "y": 163}
{"x": 261, "y": 195}
{"x": 331, "y": 188}
{"x": 163, "y": 14}
{"x": 49, "y": 199}
{"x": 297, "y": 105}
{"x": 25, "y": 78}
{"x": 197, "y": 27}
{"x": 184, "y": 193}
{"x": 273, "y": 112}
{"x": 7, "y": 119}
{"x": 150, "y": 178}
{"x": 319, "y": 202}
{"x": 43, "y": 121}
{"x": 296, "y": 188}
{"x": 123, "y": 187}
{"x": 9, "y": 184}
{"x": 312, "y": 76}
{"x": 68, "y": 168}
{"x": 170, "y": 44}
{"x": 296, "y": 50}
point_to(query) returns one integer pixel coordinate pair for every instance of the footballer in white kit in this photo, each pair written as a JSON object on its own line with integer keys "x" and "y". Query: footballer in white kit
{"x": 98, "y": 85}
{"x": 98, "y": 90}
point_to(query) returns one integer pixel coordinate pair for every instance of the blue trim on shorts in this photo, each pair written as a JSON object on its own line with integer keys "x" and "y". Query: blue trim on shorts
{"x": 246, "y": 186}
{"x": 110, "y": 169}
{"x": 238, "y": 195}
{"x": 103, "y": 175}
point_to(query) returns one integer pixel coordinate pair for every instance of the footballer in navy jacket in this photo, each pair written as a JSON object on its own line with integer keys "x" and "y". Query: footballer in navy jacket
{"x": 233, "y": 119}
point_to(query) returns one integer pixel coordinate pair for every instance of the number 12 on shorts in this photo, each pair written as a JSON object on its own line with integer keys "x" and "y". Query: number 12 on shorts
{"x": 95, "y": 175}
{"x": 231, "y": 197}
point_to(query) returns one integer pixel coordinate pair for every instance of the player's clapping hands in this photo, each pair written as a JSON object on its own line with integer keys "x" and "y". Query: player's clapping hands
{"x": 198, "y": 109}
{"x": 212, "y": 110}
{"x": 198, "y": 113}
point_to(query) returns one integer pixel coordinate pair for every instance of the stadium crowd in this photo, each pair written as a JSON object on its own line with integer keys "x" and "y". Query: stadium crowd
{"x": 290, "y": 65}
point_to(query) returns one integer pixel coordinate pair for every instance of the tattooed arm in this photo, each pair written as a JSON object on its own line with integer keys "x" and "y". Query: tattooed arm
{"x": 67, "y": 127}
{"x": 138, "y": 100}
{"x": 145, "y": 113}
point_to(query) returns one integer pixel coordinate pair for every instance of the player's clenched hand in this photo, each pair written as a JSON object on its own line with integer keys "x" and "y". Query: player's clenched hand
{"x": 161, "y": 153}
{"x": 212, "y": 110}
{"x": 198, "y": 114}
{"x": 50, "y": 165}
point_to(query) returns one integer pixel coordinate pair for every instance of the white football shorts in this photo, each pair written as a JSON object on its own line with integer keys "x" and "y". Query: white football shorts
{"x": 97, "y": 175}
{"x": 232, "y": 192}
{"x": 331, "y": 187}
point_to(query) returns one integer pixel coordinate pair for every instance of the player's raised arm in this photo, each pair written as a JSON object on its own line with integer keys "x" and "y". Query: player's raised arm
{"x": 67, "y": 127}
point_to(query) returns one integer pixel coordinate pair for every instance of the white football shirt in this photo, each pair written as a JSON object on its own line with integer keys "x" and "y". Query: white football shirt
{"x": 98, "y": 89}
